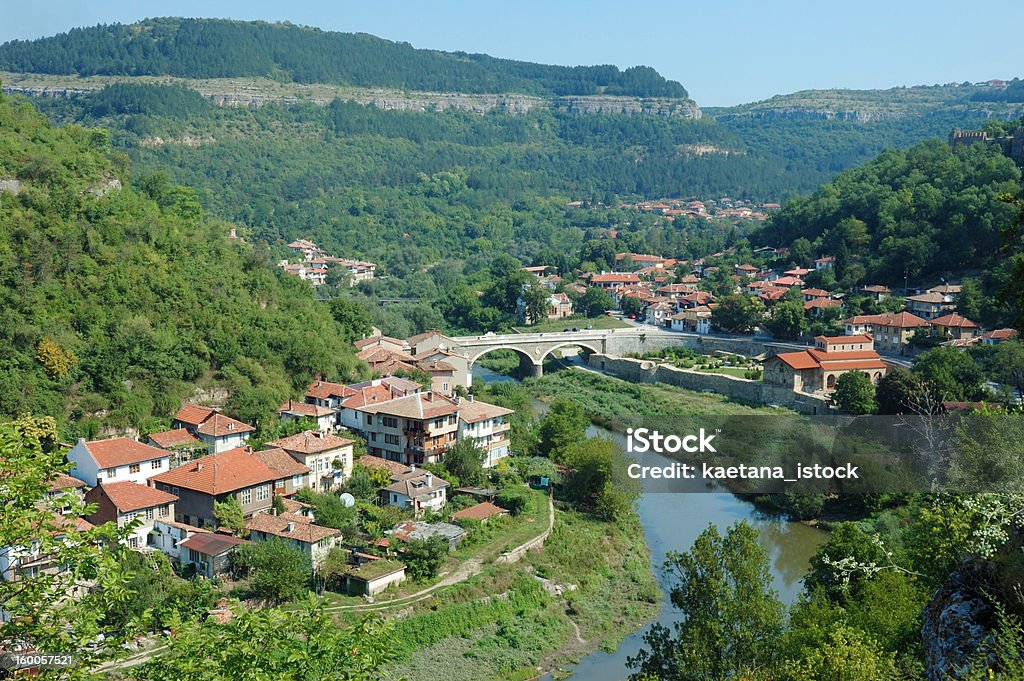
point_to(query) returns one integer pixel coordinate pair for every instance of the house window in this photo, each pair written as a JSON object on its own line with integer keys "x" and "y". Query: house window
{"x": 175, "y": 491}
{"x": 194, "y": 556}
{"x": 262, "y": 494}
{"x": 133, "y": 542}
{"x": 390, "y": 422}
{"x": 296, "y": 480}
{"x": 128, "y": 517}
{"x": 369, "y": 419}
{"x": 110, "y": 473}
{"x": 391, "y": 439}
{"x": 245, "y": 496}
{"x": 134, "y": 468}
{"x": 156, "y": 464}
{"x": 373, "y": 437}
{"x": 164, "y": 511}
{"x": 149, "y": 514}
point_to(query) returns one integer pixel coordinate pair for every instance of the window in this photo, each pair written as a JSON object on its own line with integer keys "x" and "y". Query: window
{"x": 437, "y": 423}
{"x": 369, "y": 419}
{"x": 245, "y": 496}
{"x": 373, "y": 437}
{"x": 134, "y": 468}
{"x": 109, "y": 473}
{"x": 130, "y": 516}
{"x": 164, "y": 511}
{"x": 133, "y": 542}
{"x": 391, "y": 439}
{"x": 156, "y": 464}
{"x": 390, "y": 422}
{"x": 175, "y": 491}
{"x": 149, "y": 514}
{"x": 297, "y": 480}
{"x": 262, "y": 493}
{"x": 194, "y": 556}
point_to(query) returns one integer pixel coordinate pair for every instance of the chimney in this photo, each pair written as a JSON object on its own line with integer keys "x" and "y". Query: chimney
{"x": 472, "y": 398}
{"x": 429, "y": 480}
{"x": 290, "y": 527}
{"x": 199, "y": 466}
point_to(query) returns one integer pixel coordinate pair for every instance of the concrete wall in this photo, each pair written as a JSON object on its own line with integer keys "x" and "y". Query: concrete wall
{"x": 741, "y": 389}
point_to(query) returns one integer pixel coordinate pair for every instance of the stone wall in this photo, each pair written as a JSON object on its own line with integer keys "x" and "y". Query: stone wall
{"x": 740, "y": 389}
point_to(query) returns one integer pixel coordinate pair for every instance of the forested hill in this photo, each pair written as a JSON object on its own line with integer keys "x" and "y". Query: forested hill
{"x": 217, "y": 48}
{"x": 917, "y": 214}
{"x": 117, "y": 299}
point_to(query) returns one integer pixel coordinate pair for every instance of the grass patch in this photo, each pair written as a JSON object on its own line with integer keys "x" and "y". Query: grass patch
{"x": 609, "y": 400}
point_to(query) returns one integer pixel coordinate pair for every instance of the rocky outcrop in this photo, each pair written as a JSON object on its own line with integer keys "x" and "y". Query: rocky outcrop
{"x": 398, "y": 100}
{"x": 810, "y": 114}
{"x": 957, "y": 625}
{"x": 10, "y": 185}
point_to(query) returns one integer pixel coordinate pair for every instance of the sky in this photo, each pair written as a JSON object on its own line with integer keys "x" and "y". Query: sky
{"x": 724, "y": 52}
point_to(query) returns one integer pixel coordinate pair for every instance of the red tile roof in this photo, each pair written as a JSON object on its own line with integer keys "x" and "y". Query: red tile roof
{"x": 282, "y": 462}
{"x": 615, "y": 278}
{"x": 821, "y": 303}
{"x": 121, "y": 451}
{"x": 131, "y": 496}
{"x": 174, "y": 438}
{"x": 418, "y": 406}
{"x": 392, "y": 467}
{"x": 816, "y": 292}
{"x": 227, "y": 471}
{"x": 220, "y": 425}
{"x": 64, "y": 481}
{"x": 193, "y": 414}
{"x": 310, "y": 442}
{"x": 303, "y": 409}
{"x": 323, "y": 390}
{"x": 798, "y": 360}
{"x": 302, "y": 529}
{"x": 481, "y": 511}
{"x": 211, "y": 544}
{"x": 954, "y": 320}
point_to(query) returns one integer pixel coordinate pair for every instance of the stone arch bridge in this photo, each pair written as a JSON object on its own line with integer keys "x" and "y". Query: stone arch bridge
{"x": 533, "y": 348}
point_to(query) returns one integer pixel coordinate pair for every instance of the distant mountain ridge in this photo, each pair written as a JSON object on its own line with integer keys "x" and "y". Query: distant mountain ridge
{"x": 284, "y": 52}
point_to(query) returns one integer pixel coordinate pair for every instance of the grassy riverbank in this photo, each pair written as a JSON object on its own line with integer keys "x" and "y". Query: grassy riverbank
{"x": 589, "y": 587}
{"x": 611, "y": 401}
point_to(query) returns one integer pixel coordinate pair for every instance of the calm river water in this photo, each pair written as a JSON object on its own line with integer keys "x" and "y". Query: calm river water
{"x": 672, "y": 521}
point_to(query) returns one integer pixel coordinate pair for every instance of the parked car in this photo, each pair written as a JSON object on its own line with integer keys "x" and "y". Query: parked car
{"x": 632, "y": 316}
{"x": 575, "y": 328}
{"x": 588, "y": 326}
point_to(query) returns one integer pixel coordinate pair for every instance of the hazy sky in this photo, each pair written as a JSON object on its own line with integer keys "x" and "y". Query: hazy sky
{"x": 723, "y": 51}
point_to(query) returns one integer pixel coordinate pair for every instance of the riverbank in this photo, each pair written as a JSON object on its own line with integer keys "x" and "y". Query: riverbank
{"x": 588, "y": 588}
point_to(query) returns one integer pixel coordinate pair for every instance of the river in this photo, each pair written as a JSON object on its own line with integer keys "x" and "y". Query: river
{"x": 672, "y": 522}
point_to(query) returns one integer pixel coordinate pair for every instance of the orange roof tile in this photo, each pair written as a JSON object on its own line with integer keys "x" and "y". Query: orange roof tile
{"x": 122, "y": 451}
{"x": 310, "y": 442}
{"x": 174, "y": 438}
{"x": 227, "y": 471}
{"x": 131, "y": 496}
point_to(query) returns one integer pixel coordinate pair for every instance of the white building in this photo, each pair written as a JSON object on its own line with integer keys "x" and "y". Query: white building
{"x": 487, "y": 426}
{"x": 168, "y": 534}
{"x": 315, "y": 541}
{"x": 118, "y": 459}
{"x": 417, "y": 490}
{"x": 218, "y": 431}
{"x": 328, "y": 457}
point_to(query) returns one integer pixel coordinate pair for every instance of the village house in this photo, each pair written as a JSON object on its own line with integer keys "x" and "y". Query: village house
{"x": 876, "y": 292}
{"x": 658, "y": 313}
{"x": 218, "y": 431}
{"x": 123, "y": 502}
{"x": 998, "y": 336}
{"x": 891, "y": 331}
{"x": 817, "y": 369}
{"x": 168, "y": 534}
{"x": 381, "y": 359}
{"x": 816, "y": 306}
{"x": 442, "y": 375}
{"x": 487, "y": 426}
{"x": 329, "y": 395}
{"x": 328, "y": 457}
{"x": 414, "y": 429}
{"x": 462, "y": 373}
{"x": 324, "y": 417}
{"x": 481, "y": 512}
{"x": 416, "y": 490}
{"x": 609, "y": 280}
{"x": 418, "y": 530}
{"x": 28, "y": 562}
{"x": 825, "y": 263}
{"x": 118, "y": 459}
{"x": 955, "y": 327}
{"x": 315, "y": 541}
{"x": 369, "y": 575}
{"x": 66, "y": 487}
{"x": 209, "y": 554}
{"x": 200, "y": 483}
{"x": 386, "y": 342}
{"x": 692, "y": 320}
{"x": 292, "y": 475}
{"x": 180, "y": 444}
{"x": 930, "y": 305}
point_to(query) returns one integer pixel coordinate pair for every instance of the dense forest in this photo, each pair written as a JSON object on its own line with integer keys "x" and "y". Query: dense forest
{"x": 119, "y": 295}
{"x": 214, "y": 48}
{"x": 916, "y": 213}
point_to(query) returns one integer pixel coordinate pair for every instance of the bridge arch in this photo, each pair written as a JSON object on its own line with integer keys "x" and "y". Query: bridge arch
{"x": 528, "y": 364}
{"x": 586, "y": 345}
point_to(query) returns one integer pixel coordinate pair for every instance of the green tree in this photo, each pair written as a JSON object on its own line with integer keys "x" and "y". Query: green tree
{"x": 329, "y": 511}
{"x": 730, "y": 620}
{"x": 737, "y": 313}
{"x": 631, "y": 305}
{"x": 898, "y": 391}
{"x": 352, "y": 317}
{"x": 594, "y": 303}
{"x": 278, "y": 571}
{"x": 787, "y": 319}
{"x": 425, "y": 557}
{"x": 562, "y": 427}
{"x": 846, "y": 654}
{"x": 535, "y": 300}
{"x": 950, "y": 373}
{"x": 302, "y": 644}
{"x": 836, "y": 565}
{"x": 229, "y": 514}
{"x": 37, "y": 609}
{"x": 592, "y": 482}
{"x": 855, "y": 394}
{"x": 465, "y": 461}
